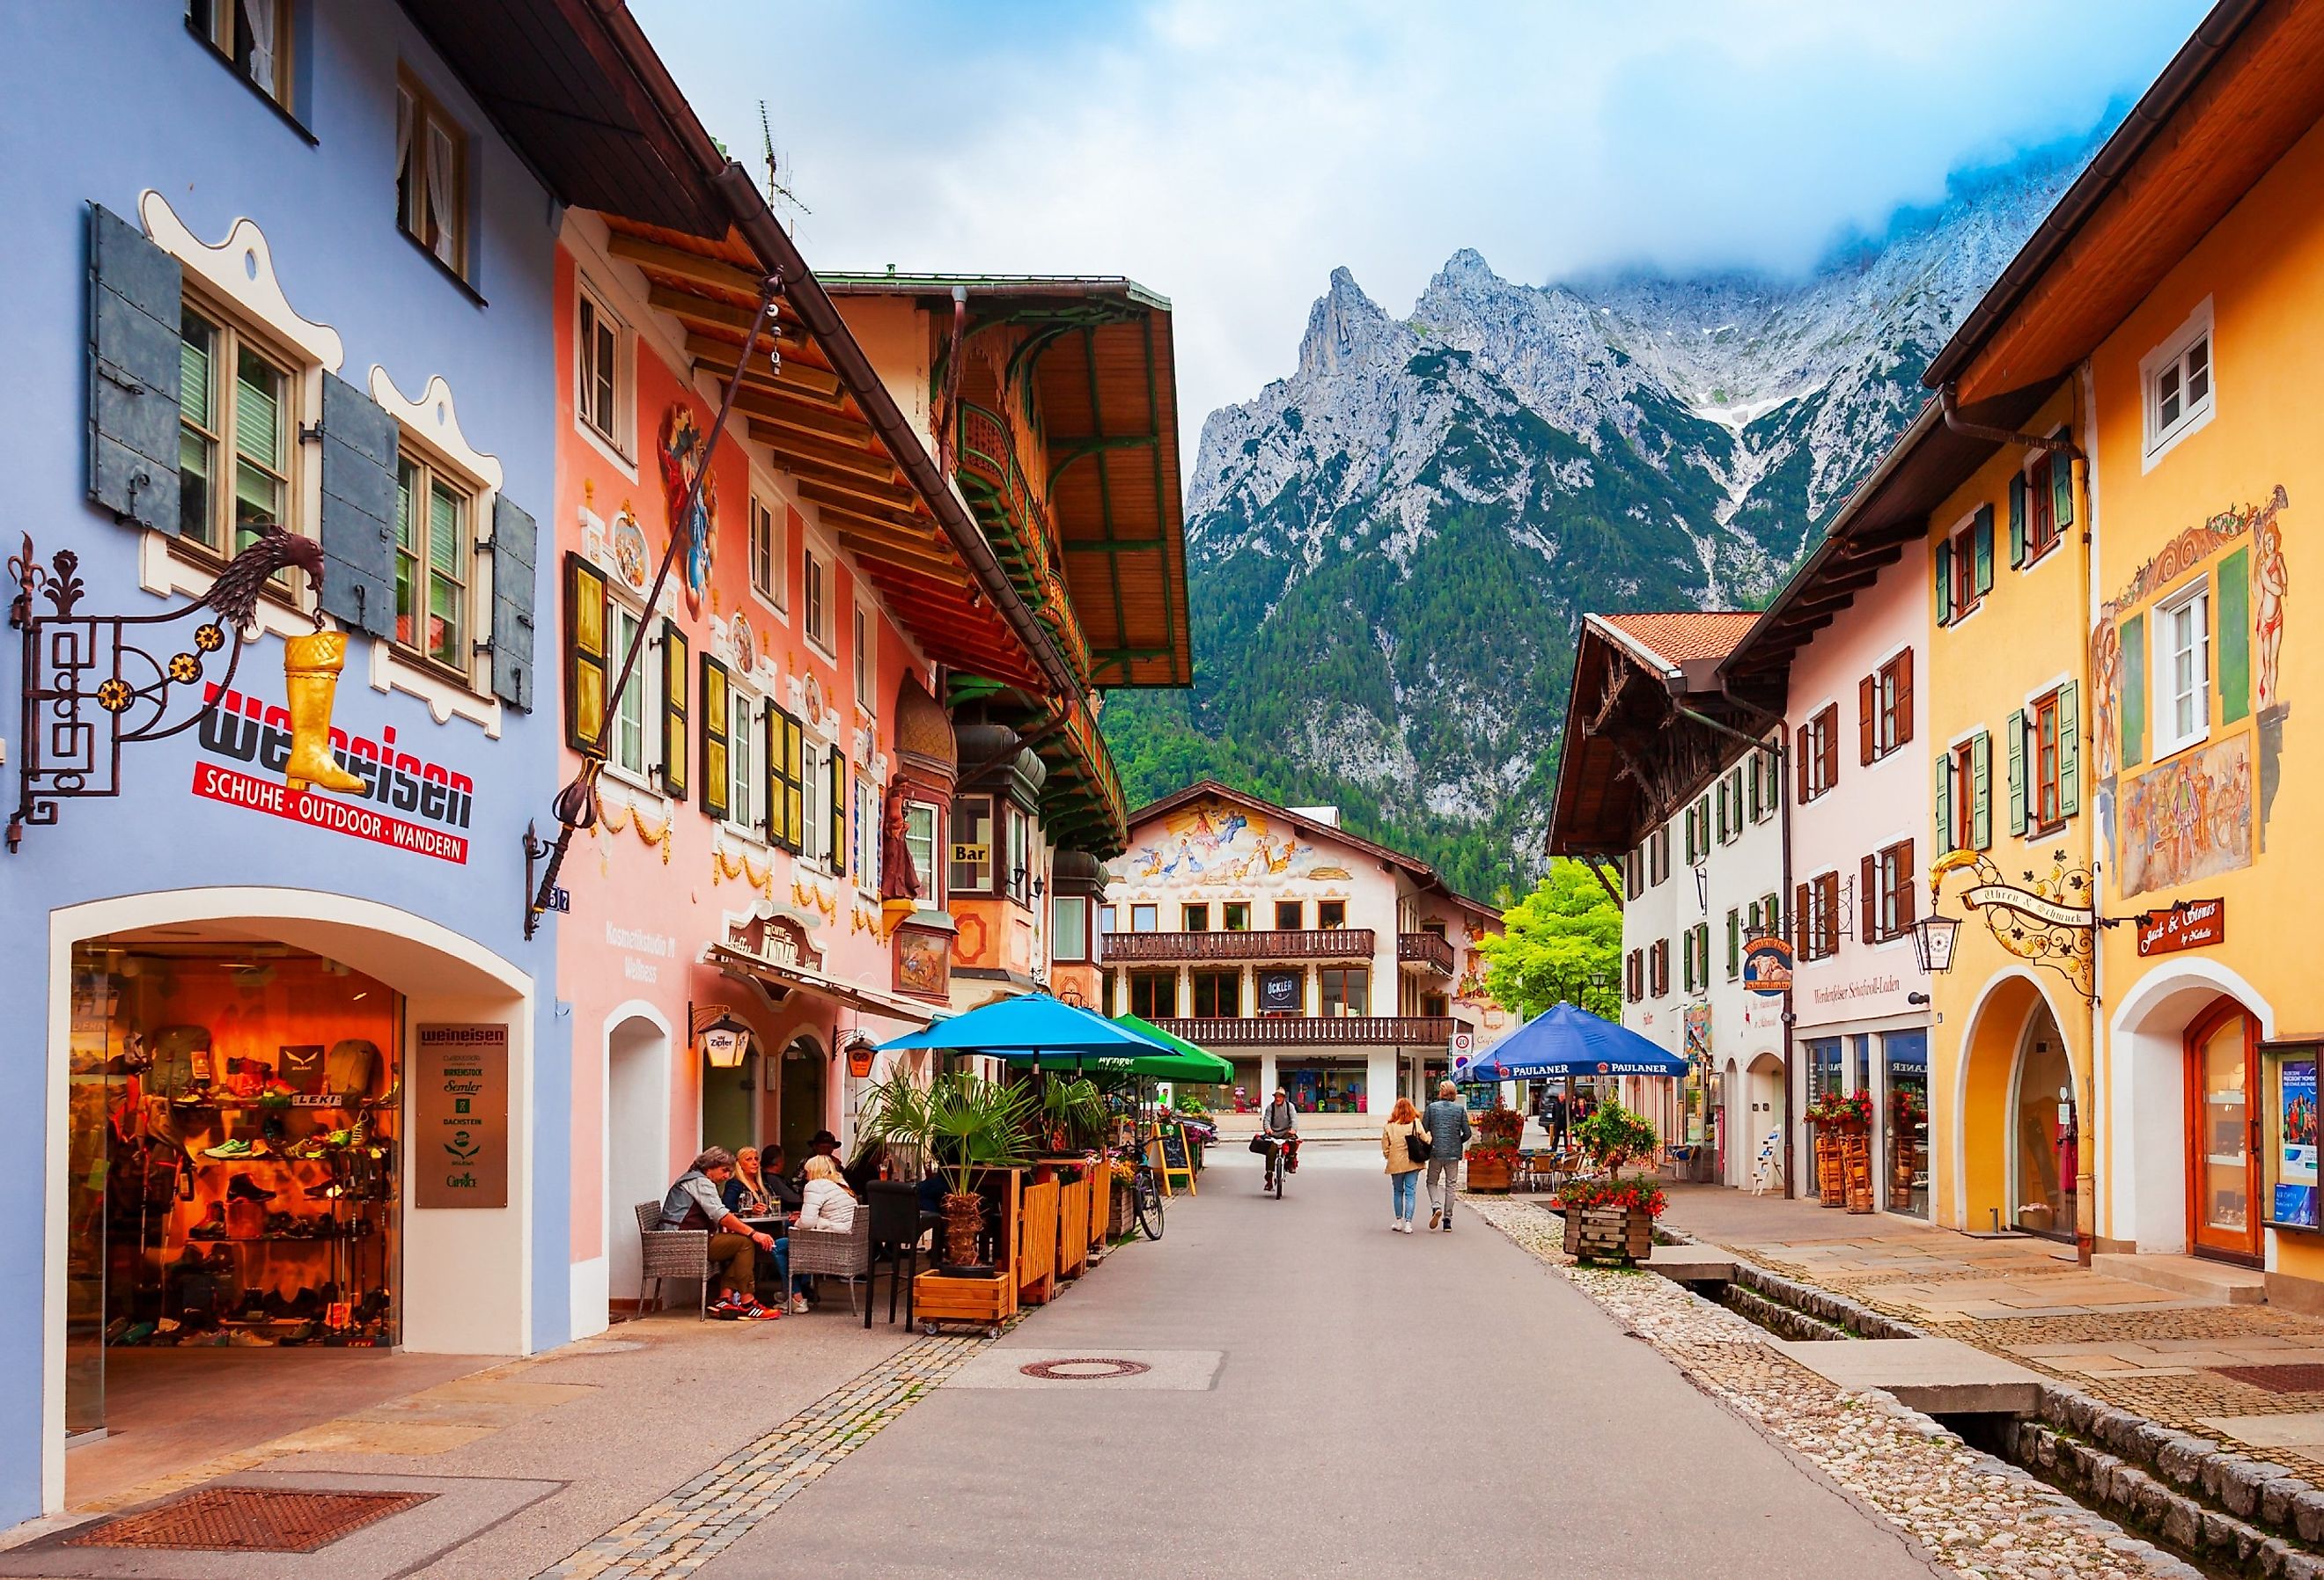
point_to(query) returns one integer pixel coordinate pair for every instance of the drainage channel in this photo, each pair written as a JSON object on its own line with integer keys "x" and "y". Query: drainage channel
{"x": 2225, "y": 1514}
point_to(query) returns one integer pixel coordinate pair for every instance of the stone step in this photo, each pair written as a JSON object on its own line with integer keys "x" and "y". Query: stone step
{"x": 2187, "y": 1275}
{"x": 1937, "y": 1376}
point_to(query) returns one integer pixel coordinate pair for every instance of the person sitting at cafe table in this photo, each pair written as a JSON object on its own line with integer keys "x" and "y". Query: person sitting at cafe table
{"x": 759, "y": 1189}
{"x": 696, "y": 1201}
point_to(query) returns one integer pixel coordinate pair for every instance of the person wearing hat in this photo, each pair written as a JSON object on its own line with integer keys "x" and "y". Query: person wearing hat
{"x": 697, "y": 1201}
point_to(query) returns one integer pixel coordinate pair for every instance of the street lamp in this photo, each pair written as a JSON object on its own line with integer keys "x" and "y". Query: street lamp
{"x": 724, "y": 1042}
{"x": 1932, "y": 941}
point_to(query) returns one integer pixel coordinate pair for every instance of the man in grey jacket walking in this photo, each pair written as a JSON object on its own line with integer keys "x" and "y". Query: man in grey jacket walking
{"x": 1447, "y": 1125}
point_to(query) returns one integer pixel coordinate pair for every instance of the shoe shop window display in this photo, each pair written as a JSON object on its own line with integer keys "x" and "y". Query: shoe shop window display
{"x": 235, "y": 1118}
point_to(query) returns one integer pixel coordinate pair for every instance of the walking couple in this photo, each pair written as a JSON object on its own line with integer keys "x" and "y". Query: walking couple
{"x": 1412, "y": 1143}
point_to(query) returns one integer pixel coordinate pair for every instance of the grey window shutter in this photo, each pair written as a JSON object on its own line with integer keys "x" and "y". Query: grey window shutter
{"x": 134, "y": 311}
{"x": 514, "y": 546}
{"x": 358, "y": 524}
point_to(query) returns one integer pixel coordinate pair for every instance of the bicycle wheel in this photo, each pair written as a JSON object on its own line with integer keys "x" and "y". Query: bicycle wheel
{"x": 1145, "y": 1208}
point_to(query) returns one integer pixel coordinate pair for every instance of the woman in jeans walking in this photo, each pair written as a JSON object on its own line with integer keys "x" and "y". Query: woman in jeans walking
{"x": 1403, "y": 1171}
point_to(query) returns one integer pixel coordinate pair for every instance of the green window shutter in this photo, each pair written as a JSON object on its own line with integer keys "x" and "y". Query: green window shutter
{"x": 1734, "y": 944}
{"x": 2017, "y": 492}
{"x": 714, "y": 702}
{"x": 356, "y": 527}
{"x": 514, "y": 540}
{"x": 838, "y": 814}
{"x": 2134, "y": 691}
{"x": 135, "y": 308}
{"x": 1981, "y": 792}
{"x": 2014, "y": 739}
{"x": 2070, "y": 749}
{"x": 585, "y": 655}
{"x": 1946, "y": 839}
{"x": 1944, "y": 558}
{"x": 2231, "y": 635}
{"x": 1982, "y": 532}
{"x": 2061, "y": 486}
{"x": 677, "y": 681}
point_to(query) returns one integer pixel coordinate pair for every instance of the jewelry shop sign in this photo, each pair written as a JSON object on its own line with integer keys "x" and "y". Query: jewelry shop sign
{"x": 460, "y": 1137}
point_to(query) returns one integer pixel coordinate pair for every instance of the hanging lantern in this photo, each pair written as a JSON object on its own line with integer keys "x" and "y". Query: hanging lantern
{"x": 1932, "y": 941}
{"x": 725, "y": 1042}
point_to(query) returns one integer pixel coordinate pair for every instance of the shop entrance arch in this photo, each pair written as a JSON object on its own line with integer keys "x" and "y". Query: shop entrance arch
{"x": 2044, "y": 1132}
{"x": 2017, "y": 1146}
{"x": 2158, "y": 1104}
{"x": 273, "y": 1049}
{"x": 804, "y": 1082}
{"x": 2223, "y": 1125}
{"x": 637, "y": 1136}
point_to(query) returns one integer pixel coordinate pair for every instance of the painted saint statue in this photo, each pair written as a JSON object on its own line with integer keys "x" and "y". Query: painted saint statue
{"x": 683, "y": 442}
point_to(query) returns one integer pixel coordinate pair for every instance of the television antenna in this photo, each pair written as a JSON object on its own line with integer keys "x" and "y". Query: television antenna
{"x": 780, "y": 172}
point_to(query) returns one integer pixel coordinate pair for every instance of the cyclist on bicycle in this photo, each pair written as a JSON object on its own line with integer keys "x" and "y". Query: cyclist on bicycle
{"x": 1281, "y": 1126}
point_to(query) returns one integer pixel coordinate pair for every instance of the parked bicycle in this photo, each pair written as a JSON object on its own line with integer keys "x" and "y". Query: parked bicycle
{"x": 1145, "y": 1200}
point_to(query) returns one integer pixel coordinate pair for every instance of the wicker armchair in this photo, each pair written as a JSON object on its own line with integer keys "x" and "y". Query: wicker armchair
{"x": 670, "y": 1253}
{"x": 838, "y": 1255}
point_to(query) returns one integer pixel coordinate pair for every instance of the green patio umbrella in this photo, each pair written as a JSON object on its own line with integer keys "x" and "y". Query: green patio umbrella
{"x": 1180, "y": 1059}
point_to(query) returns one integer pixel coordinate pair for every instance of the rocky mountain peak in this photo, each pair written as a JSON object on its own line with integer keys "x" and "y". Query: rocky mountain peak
{"x": 1344, "y": 328}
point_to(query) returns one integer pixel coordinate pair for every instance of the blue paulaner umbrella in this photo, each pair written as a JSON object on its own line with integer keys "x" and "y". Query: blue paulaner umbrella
{"x": 1033, "y": 1026}
{"x": 1566, "y": 1040}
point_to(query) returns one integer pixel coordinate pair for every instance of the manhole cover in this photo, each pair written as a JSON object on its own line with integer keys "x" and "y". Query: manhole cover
{"x": 2277, "y": 1379}
{"x": 248, "y": 1520}
{"x": 1084, "y": 1369}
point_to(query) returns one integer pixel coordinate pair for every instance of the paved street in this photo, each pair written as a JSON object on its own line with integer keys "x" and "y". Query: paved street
{"x": 1442, "y": 1402}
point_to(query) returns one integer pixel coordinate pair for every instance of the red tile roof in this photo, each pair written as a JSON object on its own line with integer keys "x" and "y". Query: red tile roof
{"x": 1682, "y": 636}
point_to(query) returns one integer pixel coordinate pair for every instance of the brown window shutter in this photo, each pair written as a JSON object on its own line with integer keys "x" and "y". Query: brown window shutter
{"x": 1907, "y": 875}
{"x": 1868, "y": 698}
{"x": 1904, "y": 696}
{"x": 1868, "y": 901}
{"x": 1830, "y": 744}
{"x": 1800, "y": 939}
{"x": 1830, "y": 913}
{"x": 1803, "y": 756}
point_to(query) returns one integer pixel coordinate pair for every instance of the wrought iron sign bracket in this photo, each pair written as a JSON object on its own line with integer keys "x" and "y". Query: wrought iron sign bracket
{"x": 92, "y": 684}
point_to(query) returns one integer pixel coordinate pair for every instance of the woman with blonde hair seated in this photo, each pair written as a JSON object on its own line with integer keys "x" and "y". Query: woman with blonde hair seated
{"x": 827, "y": 1204}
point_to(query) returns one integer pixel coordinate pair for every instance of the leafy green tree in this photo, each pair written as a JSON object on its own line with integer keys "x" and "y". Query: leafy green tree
{"x": 1562, "y": 943}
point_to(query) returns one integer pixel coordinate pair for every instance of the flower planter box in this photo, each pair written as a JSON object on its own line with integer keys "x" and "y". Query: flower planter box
{"x": 1118, "y": 1217}
{"x": 1622, "y": 1234}
{"x": 1489, "y": 1173}
{"x": 939, "y": 1296}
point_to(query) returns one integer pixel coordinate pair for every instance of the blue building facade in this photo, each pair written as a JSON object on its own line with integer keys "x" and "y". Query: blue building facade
{"x": 271, "y": 263}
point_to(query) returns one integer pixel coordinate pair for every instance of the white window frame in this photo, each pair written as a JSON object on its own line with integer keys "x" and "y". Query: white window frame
{"x": 476, "y": 587}
{"x": 866, "y": 838}
{"x": 232, "y": 333}
{"x": 647, "y": 682}
{"x": 2168, "y": 738}
{"x": 2194, "y": 416}
{"x": 746, "y": 767}
{"x": 1058, "y": 905}
{"x": 429, "y": 119}
{"x": 866, "y": 657}
{"x": 931, "y": 873}
{"x": 770, "y": 593}
{"x": 816, "y": 582}
{"x": 618, "y": 439}
{"x": 814, "y": 804}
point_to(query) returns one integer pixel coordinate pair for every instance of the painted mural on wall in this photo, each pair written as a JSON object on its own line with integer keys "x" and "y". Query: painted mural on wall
{"x": 2201, "y": 812}
{"x": 683, "y": 442}
{"x": 1212, "y": 845}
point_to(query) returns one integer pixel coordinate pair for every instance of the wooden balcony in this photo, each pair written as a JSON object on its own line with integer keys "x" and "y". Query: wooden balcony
{"x": 1429, "y": 951}
{"x": 1287, "y": 1030}
{"x": 1352, "y": 942}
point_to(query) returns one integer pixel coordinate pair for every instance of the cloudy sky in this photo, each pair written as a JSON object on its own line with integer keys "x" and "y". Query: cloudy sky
{"x": 1230, "y": 153}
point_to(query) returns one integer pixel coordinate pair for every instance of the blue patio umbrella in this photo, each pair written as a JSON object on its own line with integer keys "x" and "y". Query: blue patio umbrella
{"x": 1565, "y": 1039}
{"x": 1032, "y": 1027}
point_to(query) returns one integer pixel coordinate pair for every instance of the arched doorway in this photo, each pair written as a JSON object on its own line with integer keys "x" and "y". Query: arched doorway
{"x": 2044, "y": 1135}
{"x": 2222, "y": 1050}
{"x": 637, "y": 1140}
{"x": 804, "y": 1069}
{"x": 1763, "y": 1157}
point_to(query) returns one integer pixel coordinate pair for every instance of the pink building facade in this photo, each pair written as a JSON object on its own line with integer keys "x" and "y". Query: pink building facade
{"x": 1861, "y": 792}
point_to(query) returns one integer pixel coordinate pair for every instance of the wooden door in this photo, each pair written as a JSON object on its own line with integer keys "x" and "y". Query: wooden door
{"x": 2222, "y": 1180}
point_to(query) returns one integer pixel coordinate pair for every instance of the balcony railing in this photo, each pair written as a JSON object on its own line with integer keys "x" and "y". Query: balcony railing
{"x": 1426, "y": 949}
{"x": 1347, "y": 943}
{"x": 1280, "y": 1030}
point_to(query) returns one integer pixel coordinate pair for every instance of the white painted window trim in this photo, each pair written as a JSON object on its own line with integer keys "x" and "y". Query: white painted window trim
{"x": 431, "y": 425}
{"x": 1965, "y": 531}
{"x": 867, "y": 836}
{"x": 822, "y": 646}
{"x": 744, "y": 700}
{"x": 764, "y": 493}
{"x": 815, "y": 788}
{"x": 2168, "y": 742}
{"x": 864, "y": 651}
{"x": 650, "y": 679}
{"x": 620, "y": 449}
{"x": 2155, "y": 441}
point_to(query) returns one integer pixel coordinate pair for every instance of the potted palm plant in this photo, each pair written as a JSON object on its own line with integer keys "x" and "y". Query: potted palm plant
{"x": 962, "y": 1123}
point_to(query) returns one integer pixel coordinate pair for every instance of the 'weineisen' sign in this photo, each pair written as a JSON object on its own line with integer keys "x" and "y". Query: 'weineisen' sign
{"x": 460, "y": 1117}
{"x": 240, "y": 730}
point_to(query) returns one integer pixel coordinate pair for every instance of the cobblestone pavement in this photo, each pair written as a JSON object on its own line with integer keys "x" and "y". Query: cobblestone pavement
{"x": 1969, "y": 1511}
{"x": 2129, "y": 1344}
{"x": 680, "y": 1533}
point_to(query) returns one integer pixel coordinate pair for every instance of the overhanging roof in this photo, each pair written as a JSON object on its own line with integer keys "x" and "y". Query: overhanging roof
{"x": 2247, "y": 85}
{"x": 1106, "y": 370}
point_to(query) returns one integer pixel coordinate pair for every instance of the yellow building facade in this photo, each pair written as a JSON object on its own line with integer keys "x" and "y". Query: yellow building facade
{"x": 2011, "y": 1047}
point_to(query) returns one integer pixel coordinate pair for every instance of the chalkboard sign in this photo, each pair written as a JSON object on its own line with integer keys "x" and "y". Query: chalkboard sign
{"x": 1279, "y": 993}
{"x": 1173, "y": 1165}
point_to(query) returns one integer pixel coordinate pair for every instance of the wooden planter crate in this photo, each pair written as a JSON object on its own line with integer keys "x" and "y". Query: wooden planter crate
{"x": 1036, "y": 1244}
{"x": 1624, "y": 1234}
{"x": 1073, "y": 1225}
{"x": 937, "y": 1298}
{"x": 1118, "y": 1221}
{"x": 1489, "y": 1173}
